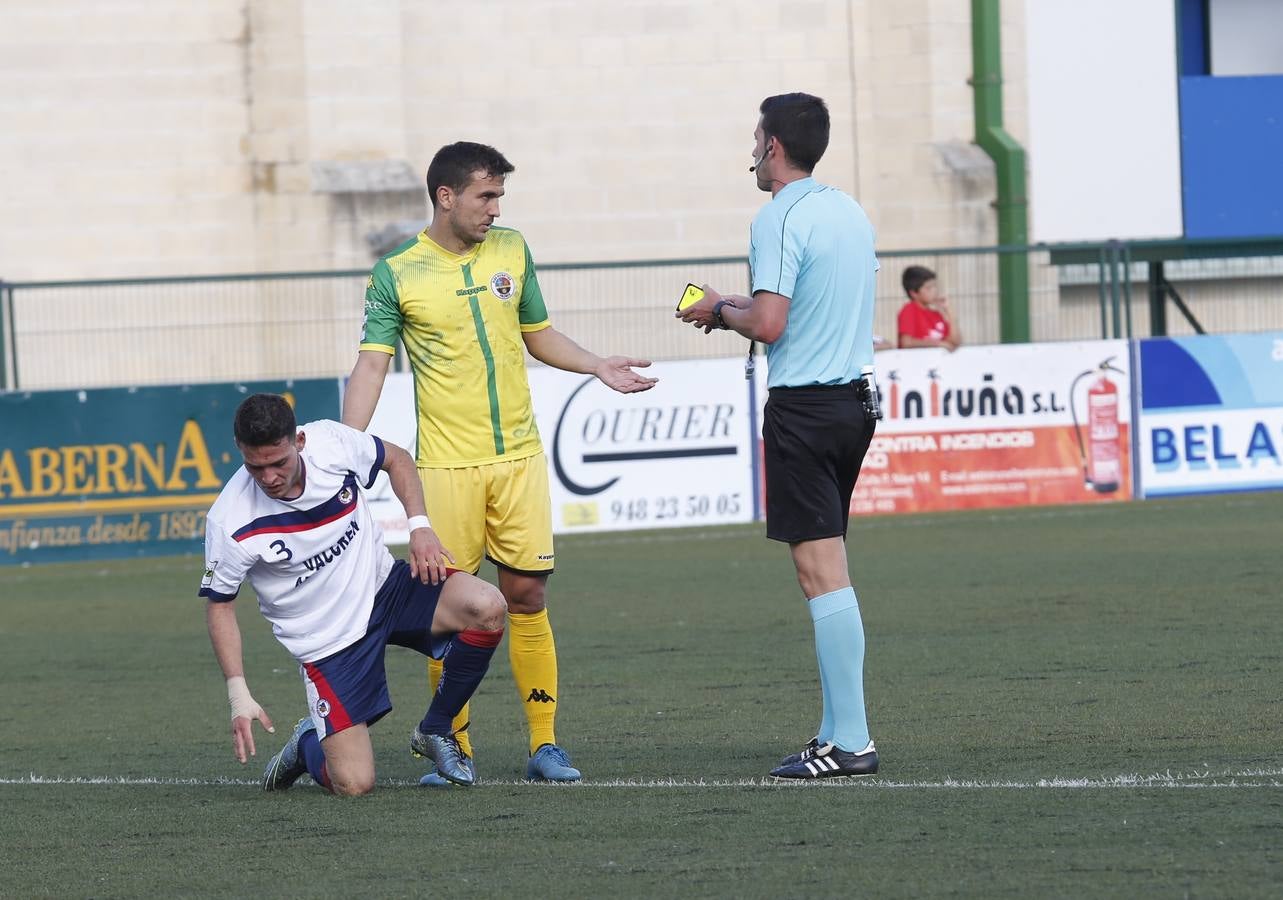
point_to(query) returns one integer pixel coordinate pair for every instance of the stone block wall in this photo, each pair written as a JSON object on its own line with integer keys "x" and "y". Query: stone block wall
{"x": 276, "y": 135}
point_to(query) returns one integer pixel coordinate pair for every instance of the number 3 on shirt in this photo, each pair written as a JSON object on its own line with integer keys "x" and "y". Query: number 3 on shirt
{"x": 285, "y": 552}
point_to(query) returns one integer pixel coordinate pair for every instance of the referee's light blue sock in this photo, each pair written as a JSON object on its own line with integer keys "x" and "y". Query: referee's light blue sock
{"x": 839, "y": 646}
{"x": 825, "y": 733}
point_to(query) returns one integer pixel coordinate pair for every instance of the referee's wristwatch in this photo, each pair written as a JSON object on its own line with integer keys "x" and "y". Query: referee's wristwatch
{"x": 717, "y": 313}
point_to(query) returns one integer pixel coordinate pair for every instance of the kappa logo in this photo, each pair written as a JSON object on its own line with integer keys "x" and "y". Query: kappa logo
{"x": 323, "y": 708}
{"x": 539, "y": 695}
{"x": 502, "y": 285}
{"x": 345, "y": 495}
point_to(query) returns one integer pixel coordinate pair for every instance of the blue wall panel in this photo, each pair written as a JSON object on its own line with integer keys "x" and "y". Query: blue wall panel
{"x": 1232, "y": 156}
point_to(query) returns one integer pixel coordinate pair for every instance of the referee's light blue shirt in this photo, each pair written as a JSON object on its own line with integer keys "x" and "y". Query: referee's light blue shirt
{"x": 814, "y": 244}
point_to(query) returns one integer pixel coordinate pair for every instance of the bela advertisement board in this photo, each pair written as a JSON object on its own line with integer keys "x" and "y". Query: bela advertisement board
{"x": 123, "y": 471}
{"x": 1211, "y": 414}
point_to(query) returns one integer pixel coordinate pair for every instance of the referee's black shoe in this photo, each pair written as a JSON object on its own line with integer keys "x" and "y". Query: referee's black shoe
{"x": 806, "y": 752}
{"x": 830, "y": 761}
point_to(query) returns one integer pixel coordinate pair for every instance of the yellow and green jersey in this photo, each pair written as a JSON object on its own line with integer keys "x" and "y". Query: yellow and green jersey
{"x": 461, "y": 319}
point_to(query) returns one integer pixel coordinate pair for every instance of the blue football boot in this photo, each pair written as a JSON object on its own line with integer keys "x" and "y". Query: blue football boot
{"x": 551, "y": 763}
{"x": 288, "y": 766}
{"x": 445, "y": 751}
{"x": 436, "y": 779}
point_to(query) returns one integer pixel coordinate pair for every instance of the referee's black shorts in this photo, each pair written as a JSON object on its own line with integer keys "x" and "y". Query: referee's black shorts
{"x": 814, "y": 441}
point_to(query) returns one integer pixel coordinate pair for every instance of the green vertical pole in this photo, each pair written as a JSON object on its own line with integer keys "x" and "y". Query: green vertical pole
{"x": 5, "y": 302}
{"x": 1009, "y": 162}
{"x": 1100, "y": 280}
{"x": 1157, "y": 300}
{"x": 1114, "y": 258}
{"x": 1127, "y": 288}
{"x": 8, "y": 339}
{"x": 16, "y": 382}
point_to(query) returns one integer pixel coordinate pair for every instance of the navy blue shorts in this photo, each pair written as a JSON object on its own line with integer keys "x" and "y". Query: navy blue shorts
{"x": 351, "y": 687}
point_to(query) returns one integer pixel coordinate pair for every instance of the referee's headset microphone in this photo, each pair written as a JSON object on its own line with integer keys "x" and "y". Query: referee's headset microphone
{"x": 761, "y": 159}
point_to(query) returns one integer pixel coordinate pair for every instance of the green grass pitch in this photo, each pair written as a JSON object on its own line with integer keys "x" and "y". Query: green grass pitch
{"x": 1079, "y": 701}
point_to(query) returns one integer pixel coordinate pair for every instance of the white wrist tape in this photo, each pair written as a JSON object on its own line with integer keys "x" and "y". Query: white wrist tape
{"x": 238, "y": 695}
{"x": 417, "y": 522}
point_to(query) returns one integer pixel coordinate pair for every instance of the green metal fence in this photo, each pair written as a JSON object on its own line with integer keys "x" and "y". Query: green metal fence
{"x": 306, "y": 324}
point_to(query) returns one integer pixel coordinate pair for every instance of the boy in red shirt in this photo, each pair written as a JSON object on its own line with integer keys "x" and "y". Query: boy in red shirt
{"x": 926, "y": 320}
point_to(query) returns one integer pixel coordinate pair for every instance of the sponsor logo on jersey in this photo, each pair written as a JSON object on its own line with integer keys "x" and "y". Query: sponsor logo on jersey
{"x": 468, "y": 292}
{"x": 208, "y": 578}
{"x": 325, "y": 557}
{"x": 502, "y": 285}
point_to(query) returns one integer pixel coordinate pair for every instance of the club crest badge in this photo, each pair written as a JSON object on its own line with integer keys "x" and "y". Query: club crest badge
{"x": 323, "y": 708}
{"x": 345, "y": 495}
{"x": 502, "y": 285}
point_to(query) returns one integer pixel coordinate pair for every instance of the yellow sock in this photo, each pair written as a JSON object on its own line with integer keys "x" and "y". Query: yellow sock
{"x": 533, "y": 655}
{"x": 460, "y": 723}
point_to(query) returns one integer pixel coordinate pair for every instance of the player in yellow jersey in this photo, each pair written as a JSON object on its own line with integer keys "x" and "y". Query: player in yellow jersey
{"x": 463, "y": 298}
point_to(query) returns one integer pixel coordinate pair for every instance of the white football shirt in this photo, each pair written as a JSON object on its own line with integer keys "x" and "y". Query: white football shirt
{"x": 316, "y": 561}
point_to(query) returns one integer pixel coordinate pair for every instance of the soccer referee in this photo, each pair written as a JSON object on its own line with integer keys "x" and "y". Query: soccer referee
{"x": 813, "y": 267}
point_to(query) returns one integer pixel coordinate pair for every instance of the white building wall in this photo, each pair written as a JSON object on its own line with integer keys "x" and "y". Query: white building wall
{"x": 252, "y": 135}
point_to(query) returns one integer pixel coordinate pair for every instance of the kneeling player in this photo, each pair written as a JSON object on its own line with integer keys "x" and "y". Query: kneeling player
{"x": 295, "y": 522}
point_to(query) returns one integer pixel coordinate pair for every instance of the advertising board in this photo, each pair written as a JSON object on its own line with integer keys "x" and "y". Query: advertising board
{"x": 678, "y": 454}
{"x": 1010, "y": 425}
{"x": 1211, "y": 414}
{"x": 123, "y": 471}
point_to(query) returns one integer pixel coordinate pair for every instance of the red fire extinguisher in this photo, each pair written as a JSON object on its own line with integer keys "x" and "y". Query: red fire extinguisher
{"x": 1101, "y": 453}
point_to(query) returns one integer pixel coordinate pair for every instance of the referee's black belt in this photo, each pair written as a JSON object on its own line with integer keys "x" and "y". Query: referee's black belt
{"x": 815, "y": 390}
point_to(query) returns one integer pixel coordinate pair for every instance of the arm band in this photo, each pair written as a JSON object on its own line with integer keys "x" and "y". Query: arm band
{"x": 417, "y": 522}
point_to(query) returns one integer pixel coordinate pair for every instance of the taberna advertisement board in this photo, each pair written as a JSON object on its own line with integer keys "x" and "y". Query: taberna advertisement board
{"x": 1211, "y": 414}
{"x": 116, "y": 472}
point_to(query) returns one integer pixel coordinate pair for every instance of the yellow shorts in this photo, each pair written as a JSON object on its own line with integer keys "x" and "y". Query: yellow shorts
{"x": 501, "y": 510}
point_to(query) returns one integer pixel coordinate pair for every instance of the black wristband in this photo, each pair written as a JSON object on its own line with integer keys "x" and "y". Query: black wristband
{"x": 717, "y": 312}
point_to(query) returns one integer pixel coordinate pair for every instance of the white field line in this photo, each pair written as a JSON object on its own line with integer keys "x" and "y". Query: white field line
{"x": 1246, "y": 778}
